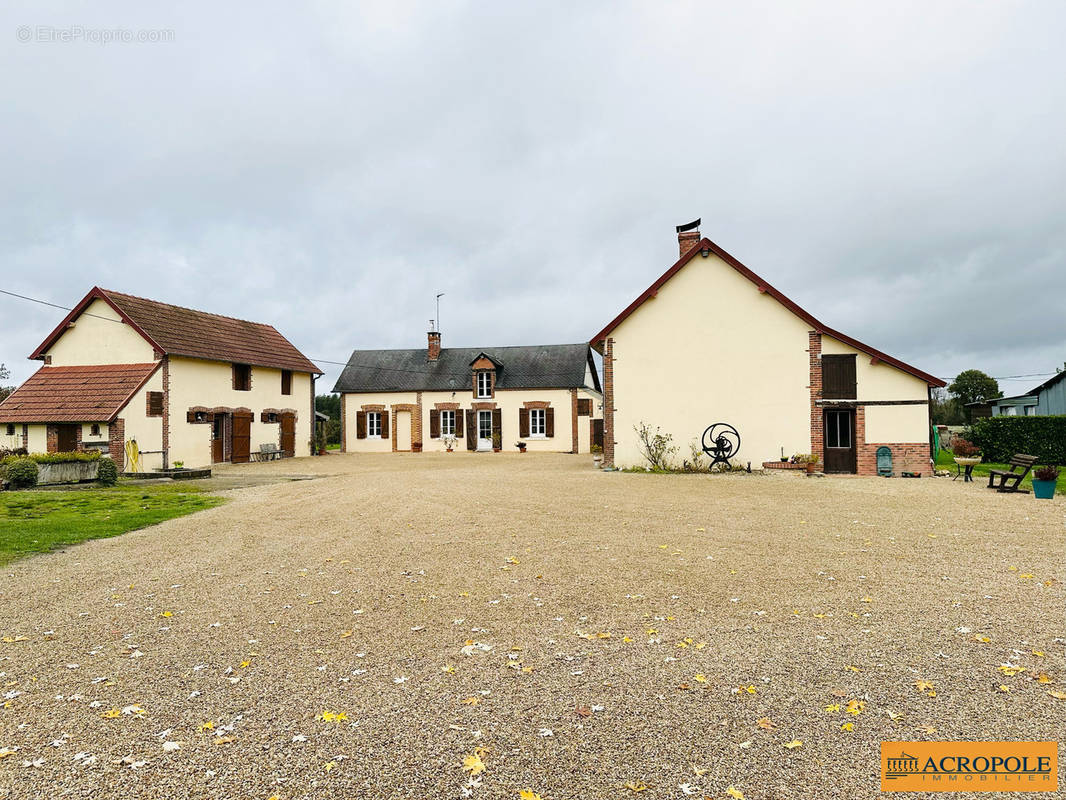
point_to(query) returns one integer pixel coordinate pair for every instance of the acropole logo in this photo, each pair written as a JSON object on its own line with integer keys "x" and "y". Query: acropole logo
{"x": 969, "y": 766}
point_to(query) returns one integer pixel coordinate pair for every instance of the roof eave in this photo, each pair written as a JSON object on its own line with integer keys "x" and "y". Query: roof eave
{"x": 96, "y": 293}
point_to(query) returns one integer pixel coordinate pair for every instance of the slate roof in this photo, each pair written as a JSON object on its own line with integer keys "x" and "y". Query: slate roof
{"x": 551, "y": 366}
{"x": 75, "y": 394}
{"x": 179, "y": 331}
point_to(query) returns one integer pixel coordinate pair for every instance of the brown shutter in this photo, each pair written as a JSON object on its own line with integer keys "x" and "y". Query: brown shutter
{"x": 838, "y": 377}
{"x": 286, "y": 381}
{"x": 458, "y": 423}
{"x": 384, "y": 424}
{"x": 584, "y": 407}
{"x": 434, "y": 424}
{"x": 549, "y": 422}
{"x": 242, "y": 427}
{"x": 190, "y": 416}
{"x": 471, "y": 431}
{"x": 523, "y": 423}
{"x": 360, "y": 424}
{"x": 497, "y": 426}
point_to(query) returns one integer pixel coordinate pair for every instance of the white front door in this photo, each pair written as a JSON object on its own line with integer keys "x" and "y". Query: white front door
{"x": 484, "y": 430}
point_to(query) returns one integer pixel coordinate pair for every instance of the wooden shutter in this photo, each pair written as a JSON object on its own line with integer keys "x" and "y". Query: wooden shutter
{"x": 584, "y": 407}
{"x": 523, "y": 423}
{"x": 497, "y": 425}
{"x": 155, "y": 404}
{"x": 384, "y": 424}
{"x": 458, "y": 423}
{"x": 838, "y": 377}
{"x": 190, "y": 416}
{"x": 286, "y": 381}
{"x": 549, "y": 422}
{"x": 471, "y": 430}
{"x": 434, "y": 423}
{"x": 242, "y": 434}
{"x": 360, "y": 424}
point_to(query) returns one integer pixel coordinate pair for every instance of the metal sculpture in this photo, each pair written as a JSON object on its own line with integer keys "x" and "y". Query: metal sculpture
{"x": 721, "y": 442}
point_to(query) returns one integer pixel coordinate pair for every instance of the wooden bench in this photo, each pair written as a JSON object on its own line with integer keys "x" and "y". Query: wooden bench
{"x": 1009, "y": 479}
{"x": 267, "y": 452}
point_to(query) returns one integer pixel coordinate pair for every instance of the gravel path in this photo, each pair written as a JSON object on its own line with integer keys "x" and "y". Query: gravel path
{"x": 571, "y": 631}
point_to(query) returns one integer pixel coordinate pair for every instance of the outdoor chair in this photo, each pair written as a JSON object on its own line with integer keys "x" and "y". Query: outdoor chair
{"x": 268, "y": 452}
{"x": 1010, "y": 479}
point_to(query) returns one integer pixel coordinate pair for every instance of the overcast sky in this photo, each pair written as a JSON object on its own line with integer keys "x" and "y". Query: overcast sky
{"x": 328, "y": 168}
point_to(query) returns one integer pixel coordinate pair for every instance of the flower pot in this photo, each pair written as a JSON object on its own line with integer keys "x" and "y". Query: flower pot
{"x": 812, "y": 467}
{"x": 449, "y": 450}
{"x": 967, "y": 461}
{"x": 1045, "y": 490}
{"x": 784, "y": 460}
{"x": 496, "y": 449}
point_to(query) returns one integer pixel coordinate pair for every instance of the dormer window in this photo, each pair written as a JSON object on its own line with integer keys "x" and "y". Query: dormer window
{"x": 484, "y": 384}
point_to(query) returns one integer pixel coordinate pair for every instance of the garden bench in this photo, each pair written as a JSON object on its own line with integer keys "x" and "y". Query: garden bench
{"x": 1009, "y": 479}
{"x": 267, "y": 452}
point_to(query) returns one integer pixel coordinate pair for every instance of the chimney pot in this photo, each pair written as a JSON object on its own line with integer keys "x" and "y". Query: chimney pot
{"x": 434, "y": 346}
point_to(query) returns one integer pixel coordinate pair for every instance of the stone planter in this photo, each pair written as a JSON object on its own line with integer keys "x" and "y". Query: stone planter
{"x": 69, "y": 472}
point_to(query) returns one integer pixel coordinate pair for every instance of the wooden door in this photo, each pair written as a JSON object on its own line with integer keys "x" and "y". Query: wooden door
{"x": 66, "y": 438}
{"x": 839, "y": 440}
{"x": 471, "y": 430}
{"x": 597, "y": 433}
{"x": 242, "y": 436}
{"x": 218, "y": 439}
{"x": 288, "y": 435}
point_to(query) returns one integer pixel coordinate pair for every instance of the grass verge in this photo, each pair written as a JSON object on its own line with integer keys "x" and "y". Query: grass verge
{"x": 40, "y": 521}
{"x": 945, "y": 460}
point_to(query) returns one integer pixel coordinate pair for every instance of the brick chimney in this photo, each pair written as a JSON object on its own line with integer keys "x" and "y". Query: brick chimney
{"x": 688, "y": 236}
{"x": 434, "y": 346}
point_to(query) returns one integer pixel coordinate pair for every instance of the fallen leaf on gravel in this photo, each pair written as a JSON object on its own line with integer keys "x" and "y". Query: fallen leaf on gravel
{"x": 1058, "y": 695}
{"x": 848, "y": 726}
{"x": 982, "y": 639}
{"x": 334, "y": 716}
{"x": 699, "y": 772}
{"x": 448, "y": 670}
{"x": 636, "y": 786}
{"x": 473, "y": 764}
{"x": 686, "y": 788}
{"x": 765, "y": 724}
{"x": 7, "y": 751}
{"x": 1010, "y": 670}
{"x": 832, "y": 708}
{"x": 700, "y": 678}
{"x": 471, "y": 701}
{"x": 207, "y": 726}
{"x": 167, "y": 614}
{"x": 583, "y": 711}
{"x": 927, "y": 728}
{"x": 735, "y": 793}
{"x": 529, "y": 794}
{"x": 1004, "y": 689}
{"x": 111, "y": 713}
{"x": 793, "y": 744}
{"x": 892, "y": 715}
{"x": 925, "y": 686}
{"x": 850, "y": 668}
{"x": 546, "y": 732}
{"x": 855, "y": 707}
{"x": 225, "y": 739}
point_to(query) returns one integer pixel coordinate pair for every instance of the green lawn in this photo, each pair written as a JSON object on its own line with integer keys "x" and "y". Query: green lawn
{"x": 945, "y": 460}
{"x": 39, "y": 521}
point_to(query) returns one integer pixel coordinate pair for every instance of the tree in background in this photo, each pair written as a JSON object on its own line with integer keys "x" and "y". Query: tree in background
{"x": 972, "y": 386}
{"x": 330, "y": 404}
{"x": 5, "y": 373}
{"x": 945, "y": 409}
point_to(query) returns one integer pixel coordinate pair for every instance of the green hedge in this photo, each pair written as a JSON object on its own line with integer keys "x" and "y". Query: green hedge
{"x": 57, "y": 458}
{"x": 20, "y": 472}
{"x": 1001, "y": 437}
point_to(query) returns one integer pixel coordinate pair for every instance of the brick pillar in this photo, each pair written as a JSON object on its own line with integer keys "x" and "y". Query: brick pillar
{"x": 52, "y": 438}
{"x": 573, "y": 419}
{"x": 814, "y": 350}
{"x": 25, "y": 437}
{"x": 416, "y": 423}
{"x": 116, "y": 443}
{"x": 166, "y": 412}
{"x": 608, "y": 403}
{"x": 77, "y": 437}
{"x": 433, "y": 352}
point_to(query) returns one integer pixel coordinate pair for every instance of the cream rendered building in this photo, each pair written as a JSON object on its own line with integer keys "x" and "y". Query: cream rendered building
{"x": 710, "y": 341}
{"x": 545, "y": 396}
{"x": 186, "y": 386}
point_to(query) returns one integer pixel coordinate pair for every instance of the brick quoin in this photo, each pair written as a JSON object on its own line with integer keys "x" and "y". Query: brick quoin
{"x": 25, "y": 437}
{"x": 344, "y": 423}
{"x": 814, "y": 350}
{"x": 166, "y": 412}
{"x": 608, "y": 403}
{"x": 52, "y": 438}
{"x": 116, "y": 442}
{"x": 573, "y": 419}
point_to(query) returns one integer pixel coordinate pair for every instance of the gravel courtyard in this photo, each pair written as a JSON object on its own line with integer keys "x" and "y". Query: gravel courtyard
{"x": 458, "y": 625}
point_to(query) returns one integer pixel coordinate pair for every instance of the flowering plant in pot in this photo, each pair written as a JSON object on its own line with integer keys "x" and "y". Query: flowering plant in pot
{"x": 809, "y": 460}
{"x": 1044, "y": 480}
{"x": 497, "y": 442}
{"x": 966, "y": 452}
{"x": 449, "y": 443}
{"x": 521, "y": 446}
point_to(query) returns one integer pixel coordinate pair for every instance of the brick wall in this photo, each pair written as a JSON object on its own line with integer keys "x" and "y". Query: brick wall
{"x": 814, "y": 351}
{"x": 116, "y": 442}
{"x": 166, "y": 412}
{"x": 608, "y": 403}
{"x": 908, "y": 457}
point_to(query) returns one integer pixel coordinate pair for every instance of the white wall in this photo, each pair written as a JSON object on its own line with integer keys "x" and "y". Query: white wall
{"x": 147, "y": 431}
{"x": 878, "y": 381}
{"x": 897, "y": 424}
{"x": 710, "y": 348}
{"x": 93, "y": 340}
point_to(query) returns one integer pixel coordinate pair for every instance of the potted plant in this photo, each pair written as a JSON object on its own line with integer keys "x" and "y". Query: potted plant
{"x": 497, "y": 442}
{"x": 521, "y": 446}
{"x": 809, "y": 460}
{"x": 1044, "y": 480}
{"x": 449, "y": 443}
{"x": 179, "y": 465}
{"x": 966, "y": 453}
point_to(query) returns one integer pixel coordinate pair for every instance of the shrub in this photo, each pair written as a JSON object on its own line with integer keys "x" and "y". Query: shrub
{"x": 17, "y": 451}
{"x": 21, "y": 473}
{"x": 57, "y": 458}
{"x": 695, "y": 450}
{"x": 656, "y": 447}
{"x": 1046, "y": 474}
{"x": 965, "y": 449}
{"x": 1002, "y": 437}
{"x": 804, "y": 458}
{"x": 107, "y": 474}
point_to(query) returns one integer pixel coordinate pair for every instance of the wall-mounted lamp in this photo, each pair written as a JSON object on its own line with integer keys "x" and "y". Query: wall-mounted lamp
{"x": 706, "y": 251}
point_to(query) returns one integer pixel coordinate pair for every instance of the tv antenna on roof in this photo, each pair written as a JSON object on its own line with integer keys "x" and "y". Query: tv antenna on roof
{"x": 439, "y": 296}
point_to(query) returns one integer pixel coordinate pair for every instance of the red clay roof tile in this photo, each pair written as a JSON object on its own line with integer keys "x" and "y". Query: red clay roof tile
{"x": 75, "y": 394}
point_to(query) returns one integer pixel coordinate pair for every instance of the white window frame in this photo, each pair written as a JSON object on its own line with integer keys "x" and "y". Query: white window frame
{"x": 538, "y": 423}
{"x": 373, "y": 424}
{"x": 447, "y": 422}
{"x": 484, "y": 384}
